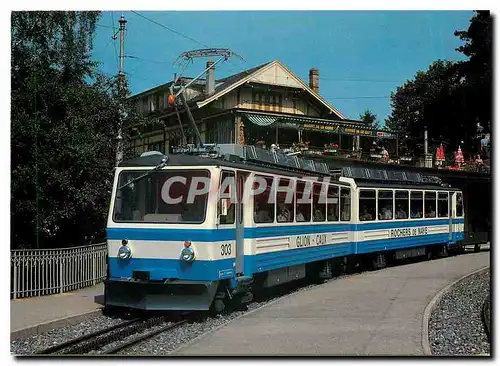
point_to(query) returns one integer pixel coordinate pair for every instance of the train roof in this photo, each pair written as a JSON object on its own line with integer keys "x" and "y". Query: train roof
{"x": 266, "y": 161}
{"x": 195, "y": 160}
{"x": 405, "y": 186}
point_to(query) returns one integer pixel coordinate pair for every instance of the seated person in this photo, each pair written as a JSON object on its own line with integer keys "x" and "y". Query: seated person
{"x": 429, "y": 212}
{"x": 261, "y": 215}
{"x": 400, "y": 213}
{"x": 386, "y": 214}
{"x": 318, "y": 215}
{"x": 416, "y": 214}
{"x": 365, "y": 215}
{"x": 300, "y": 217}
{"x": 332, "y": 213}
{"x": 284, "y": 214}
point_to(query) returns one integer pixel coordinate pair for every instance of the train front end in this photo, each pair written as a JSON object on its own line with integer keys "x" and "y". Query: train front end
{"x": 160, "y": 236}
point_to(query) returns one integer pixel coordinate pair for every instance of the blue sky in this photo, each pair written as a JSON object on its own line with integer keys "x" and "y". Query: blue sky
{"x": 362, "y": 55}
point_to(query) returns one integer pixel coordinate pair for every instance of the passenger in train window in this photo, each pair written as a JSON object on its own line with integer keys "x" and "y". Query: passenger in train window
{"x": 261, "y": 215}
{"x": 417, "y": 214}
{"x": 400, "y": 213}
{"x": 365, "y": 215}
{"x": 332, "y": 212}
{"x": 385, "y": 214}
{"x": 300, "y": 217}
{"x": 318, "y": 215}
{"x": 345, "y": 204}
{"x": 430, "y": 211}
{"x": 284, "y": 214}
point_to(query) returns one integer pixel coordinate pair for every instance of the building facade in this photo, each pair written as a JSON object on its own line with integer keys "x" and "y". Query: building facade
{"x": 267, "y": 103}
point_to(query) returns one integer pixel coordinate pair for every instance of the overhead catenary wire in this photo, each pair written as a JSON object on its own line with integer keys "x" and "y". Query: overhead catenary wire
{"x": 170, "y": 29}
{"x": 255, "y": 77}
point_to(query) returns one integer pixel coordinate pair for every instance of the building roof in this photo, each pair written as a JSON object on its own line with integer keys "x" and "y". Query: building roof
{"x": 226, "y": 84}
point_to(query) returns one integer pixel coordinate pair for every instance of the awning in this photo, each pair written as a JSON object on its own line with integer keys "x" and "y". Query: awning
{"x": 260, "y": 120}
{"x": 353, "y": 128}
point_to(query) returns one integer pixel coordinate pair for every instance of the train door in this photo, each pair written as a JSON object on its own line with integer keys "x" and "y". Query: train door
{"x": 240, "y": 223}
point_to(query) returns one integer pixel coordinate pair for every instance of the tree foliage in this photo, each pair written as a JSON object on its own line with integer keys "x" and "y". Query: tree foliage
{"x": 63, "y": 124}
{"x": 370, "y": 119}
{"x": 449, "y": 98}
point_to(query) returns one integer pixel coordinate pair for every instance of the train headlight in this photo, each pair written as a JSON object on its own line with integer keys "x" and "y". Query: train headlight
{"x": 124, "y": 252}
{"x": 188, "y": 254}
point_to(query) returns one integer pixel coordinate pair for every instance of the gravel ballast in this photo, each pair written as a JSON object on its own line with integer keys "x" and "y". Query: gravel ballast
{"x": 30, "y": 345}
{"x": 161, "y": 344}
{"x": 456, "y": 326}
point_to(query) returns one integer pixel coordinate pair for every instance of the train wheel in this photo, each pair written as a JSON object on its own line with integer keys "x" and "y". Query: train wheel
{"x": 444, "y": 251}
{"x": 429, "y": 253}
{"x": 379, "y": 261}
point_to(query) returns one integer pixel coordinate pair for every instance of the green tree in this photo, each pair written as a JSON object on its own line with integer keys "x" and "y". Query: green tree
{"x": 449, "y": 98}
{"x": 477, "y": 69}
{"x": 370, "y": 119}
{"x": 63, "y": 124}
{"x": 433, "y": 100}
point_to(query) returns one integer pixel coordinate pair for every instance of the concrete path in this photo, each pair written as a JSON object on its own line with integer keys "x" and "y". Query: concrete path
{"x": 38, "y": 314}
{"x": 374, "y": 313}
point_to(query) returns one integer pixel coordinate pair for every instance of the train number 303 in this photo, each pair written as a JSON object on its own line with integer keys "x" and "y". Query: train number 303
{"x": 225, "y": 249}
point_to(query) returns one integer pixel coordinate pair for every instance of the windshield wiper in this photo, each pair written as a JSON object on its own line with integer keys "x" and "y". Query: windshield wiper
{"x": 159, "y": 166}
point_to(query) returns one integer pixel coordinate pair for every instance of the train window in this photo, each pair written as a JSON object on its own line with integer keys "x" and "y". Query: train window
{"x": 227, "y": 194}
{"x": 430, "y": 204}
{"x": 345, "y": 204}
{"x": 385, "y": 205}
{"x": 285, "y": 201}
{"x": 443, "y": 204}
{"x": 460, "y": 205}
{"x": 263, "y": 206}
{"x": 303, "y": 199}
{"x": 416, "y": 205}
{"x": 333, "y": 203}
{"x": 166, "y": 197}
{"x": 402, "y": 205}
{"x": 319, "y": 205}
{"x": 367, "y": 204}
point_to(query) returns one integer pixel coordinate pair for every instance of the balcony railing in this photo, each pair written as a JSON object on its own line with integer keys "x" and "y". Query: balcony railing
{"x": 37, "y": 272}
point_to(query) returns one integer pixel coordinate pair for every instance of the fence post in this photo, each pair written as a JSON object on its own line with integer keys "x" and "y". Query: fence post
{"x": 61, "y": 274}
{"x": 94, "y": 256}
{"x": 15, "y": 276}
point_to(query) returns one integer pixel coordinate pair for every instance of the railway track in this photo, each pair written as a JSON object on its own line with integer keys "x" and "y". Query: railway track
{"x": 97, "y": 342}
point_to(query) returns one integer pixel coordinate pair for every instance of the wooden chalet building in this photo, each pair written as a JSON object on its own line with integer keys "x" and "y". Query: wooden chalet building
{"x": 267, "y": 102}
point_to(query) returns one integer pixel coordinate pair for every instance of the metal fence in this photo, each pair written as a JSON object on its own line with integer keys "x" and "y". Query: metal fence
{"x": 36, "y": 272}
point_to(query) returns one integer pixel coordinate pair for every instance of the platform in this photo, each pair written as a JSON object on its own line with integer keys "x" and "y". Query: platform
{"x": 373, "y": 313}
{"x": 35, "y": 315}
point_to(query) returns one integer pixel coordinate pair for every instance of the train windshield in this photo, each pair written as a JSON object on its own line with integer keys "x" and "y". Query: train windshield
{"x": 164, "y": 196}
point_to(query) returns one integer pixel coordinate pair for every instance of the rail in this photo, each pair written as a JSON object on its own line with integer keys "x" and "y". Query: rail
{"x": 37, "y": 272}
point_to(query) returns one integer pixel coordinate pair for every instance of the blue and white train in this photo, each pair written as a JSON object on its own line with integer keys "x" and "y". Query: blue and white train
{"x": 214, "y": 252}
